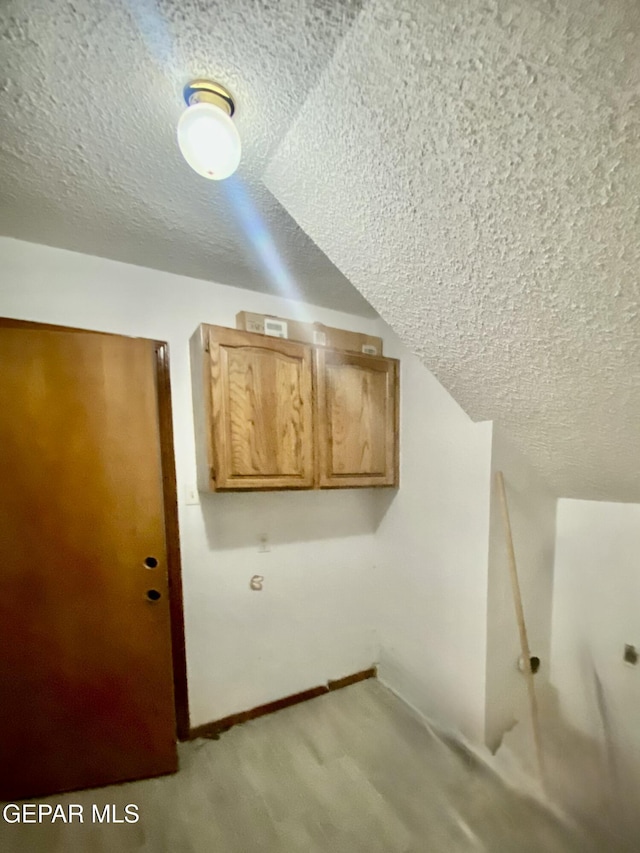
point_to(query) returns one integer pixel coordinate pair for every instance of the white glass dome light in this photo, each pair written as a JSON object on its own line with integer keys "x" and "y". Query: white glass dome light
{"x": 207, "y": 136}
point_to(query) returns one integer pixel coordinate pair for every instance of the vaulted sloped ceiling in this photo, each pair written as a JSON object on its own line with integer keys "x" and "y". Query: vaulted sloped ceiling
{"x": 472, "y": 166}
{"x": 474, "y": 169}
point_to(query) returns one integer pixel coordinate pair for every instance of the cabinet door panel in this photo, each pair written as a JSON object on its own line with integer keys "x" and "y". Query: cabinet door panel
{"x": 355, "y": 397}
{"x": 356, "y": 411}
{"x": 265, "y": 413}
{"x": 261, "y": 411}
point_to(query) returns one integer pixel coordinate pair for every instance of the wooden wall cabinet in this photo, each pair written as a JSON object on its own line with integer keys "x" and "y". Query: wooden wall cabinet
{"x": 254, "y": 411}
{"x": 356, "y": 409}
{"x": 277, "y": 414}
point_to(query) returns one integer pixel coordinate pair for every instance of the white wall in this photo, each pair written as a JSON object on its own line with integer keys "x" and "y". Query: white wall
{"x": 596, "y": 610}
{"x": 532, "y": 511}
{"x": 433, "y": 545}
{"x": 314, "y": 618}
{"x": 353, "y": 576}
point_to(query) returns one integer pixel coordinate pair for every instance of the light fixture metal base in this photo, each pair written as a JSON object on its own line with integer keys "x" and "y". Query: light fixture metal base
{"x": 206, "y": 91}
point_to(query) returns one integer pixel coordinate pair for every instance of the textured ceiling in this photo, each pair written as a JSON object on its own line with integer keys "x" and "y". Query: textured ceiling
{"x": 90, "y": 94}
{"x": 474, "y": 169}
{"x": 471, "y": 166}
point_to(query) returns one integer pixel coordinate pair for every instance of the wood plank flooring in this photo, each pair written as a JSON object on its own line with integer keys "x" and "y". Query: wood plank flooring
{"x": 349, "y": 772}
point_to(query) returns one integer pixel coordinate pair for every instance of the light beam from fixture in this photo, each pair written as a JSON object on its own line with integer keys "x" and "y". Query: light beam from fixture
{"x": 207, "y": 136}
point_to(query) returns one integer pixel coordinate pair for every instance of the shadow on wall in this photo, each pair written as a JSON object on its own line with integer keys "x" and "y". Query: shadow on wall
{"x": 241, "y": 519}
{"x": 592, "y": 779}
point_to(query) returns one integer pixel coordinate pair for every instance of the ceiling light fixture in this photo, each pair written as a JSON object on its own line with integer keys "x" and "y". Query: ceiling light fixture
{"x": 207, "y": 136}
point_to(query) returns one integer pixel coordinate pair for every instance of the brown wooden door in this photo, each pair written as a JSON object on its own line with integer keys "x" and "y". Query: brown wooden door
{"x": 261, "y": 411}
{"x": 356, "y": 419}
{"x": 85, "y": 650}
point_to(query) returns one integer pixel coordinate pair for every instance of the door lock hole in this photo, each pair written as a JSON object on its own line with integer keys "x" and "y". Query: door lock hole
{"x": 154, "y": 594}
{"x": 150, "y": 562}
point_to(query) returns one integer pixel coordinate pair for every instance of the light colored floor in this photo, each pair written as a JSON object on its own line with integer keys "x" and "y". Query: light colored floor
{"x": 350, "y": 772}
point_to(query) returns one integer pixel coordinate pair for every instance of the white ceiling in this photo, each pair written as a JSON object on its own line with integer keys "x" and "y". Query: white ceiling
{"x": 472, "y": 167}
{"x": 480, "y": 168}
{"x": 90, "y": 94}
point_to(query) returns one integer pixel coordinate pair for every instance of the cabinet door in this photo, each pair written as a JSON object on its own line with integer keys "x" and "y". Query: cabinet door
{"x": 356, "y": 419}
{"x": 261, "y": 411}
